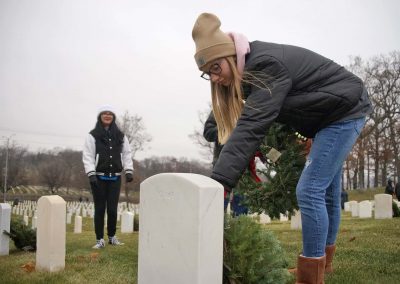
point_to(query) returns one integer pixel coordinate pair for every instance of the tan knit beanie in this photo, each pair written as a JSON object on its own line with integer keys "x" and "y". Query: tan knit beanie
{"x": 211, "y": 42}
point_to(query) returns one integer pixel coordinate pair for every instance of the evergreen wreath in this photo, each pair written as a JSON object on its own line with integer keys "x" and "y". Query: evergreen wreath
{"x": 252, "y": 254}
{"x": 278, "y": 193}
{"x": 23, "y": 236}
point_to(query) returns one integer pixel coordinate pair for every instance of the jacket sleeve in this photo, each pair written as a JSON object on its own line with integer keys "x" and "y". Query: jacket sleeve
{"x": 210, "y": 132}
{"x": 260, "y": 110}
{"x": 89, "y": 155}
{"x": 127, "y": 161}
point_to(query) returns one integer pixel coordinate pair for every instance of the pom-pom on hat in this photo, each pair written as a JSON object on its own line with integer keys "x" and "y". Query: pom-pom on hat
{"x": 104, "y": 108}
{"x": 211, "y": 42}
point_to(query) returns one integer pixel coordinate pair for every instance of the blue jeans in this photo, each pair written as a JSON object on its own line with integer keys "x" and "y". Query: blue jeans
{"x": 236, "y": 206}
{"x": 319, "y": 187}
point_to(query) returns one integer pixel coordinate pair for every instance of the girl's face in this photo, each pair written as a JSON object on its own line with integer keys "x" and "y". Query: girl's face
{"x": 106, "y": 118}
{"x": 219, "y": 72}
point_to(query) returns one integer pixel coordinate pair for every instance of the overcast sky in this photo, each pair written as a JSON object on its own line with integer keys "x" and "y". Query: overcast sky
{"x": 61, "y": 60}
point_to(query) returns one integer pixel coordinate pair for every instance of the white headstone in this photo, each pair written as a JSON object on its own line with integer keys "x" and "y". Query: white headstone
{"x": 347, "y": 206}
{"x": 354, "y": 208}
{"x": 184, "y": 243}
{"x": 78, "y": 225}
{"x": 228, "y": 208}
{"x": 50, "y": 254}
{"x": 69, "y": 218}
{"x": 127, "y": 222}
{"x": 283, "y": 218}
{"x": 34, "y": 222}
{"x": 26, "y": 220}
{"x": 5, "y": 219}
{"x": 351, "y": 204}
{"x": 383, "y": 206}
{"x": 84, "y": 214}
{"x": 264, "y": 219}
{"x": 295, "y": 221}
{"x": 365, "y": 209}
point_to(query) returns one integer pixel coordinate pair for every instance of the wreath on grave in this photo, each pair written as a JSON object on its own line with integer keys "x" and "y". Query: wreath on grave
{"x": 252, "y": 254}
{"x": 283, "y": 153}
{"x": 23, "y": 236}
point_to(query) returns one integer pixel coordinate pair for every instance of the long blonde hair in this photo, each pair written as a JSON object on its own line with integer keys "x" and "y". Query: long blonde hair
{"x": 228, "y": 103}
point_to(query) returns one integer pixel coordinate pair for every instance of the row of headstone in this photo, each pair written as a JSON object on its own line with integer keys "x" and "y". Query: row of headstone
{"x": 83, "y": 209}
{"x": 382, "y": 207}
{"x": 295, "y": 220}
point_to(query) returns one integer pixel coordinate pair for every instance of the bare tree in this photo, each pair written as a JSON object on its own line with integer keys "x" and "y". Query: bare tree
{"x": 52, "y": 171}
{"x": 206, "y": 148}
{"x": 16, "y": 168}
{"x": 74, "y": 171}
{"x": 379, "y": 144}
{"x": 134, "y": 129}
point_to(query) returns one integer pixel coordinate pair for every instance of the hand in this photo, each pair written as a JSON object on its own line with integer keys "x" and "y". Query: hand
{"x": 227, "y": 191}
{"x": 129, "y": 177}
{"x": 93, "y": 181}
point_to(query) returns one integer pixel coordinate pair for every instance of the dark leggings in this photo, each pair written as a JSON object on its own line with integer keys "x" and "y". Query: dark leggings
{"x": 106, "y": 195}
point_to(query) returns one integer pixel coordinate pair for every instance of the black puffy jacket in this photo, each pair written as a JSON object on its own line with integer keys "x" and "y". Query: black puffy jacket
{"x": 306, "y": 91}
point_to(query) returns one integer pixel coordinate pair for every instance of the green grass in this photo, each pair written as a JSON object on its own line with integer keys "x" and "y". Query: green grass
{"x": 82, "y": 264}
{"x": 368, "y": 251}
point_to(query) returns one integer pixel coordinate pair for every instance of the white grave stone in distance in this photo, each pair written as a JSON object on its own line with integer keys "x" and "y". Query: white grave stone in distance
{"x": 69, "y": 218}
{"x": 34, "y": 222}
{"x": 347, "y": 206}
{"x": 50, "y": 242}
{"x": 352, "y": 204}
{"x": 5, "y": 219}
{"x": 283, "y": 218}
{"x": 127, "y": 222}
{"x": 383, "y": 206}
{"x": 26, "y": 220}
{"x": 78, "y": 225}
{"x": 295, "y": 221}
{"x": 354, "y": 208}
{"x": 365, "y": 209}
{"x": 264, "y": 218}
{"x": 181, "y": 230}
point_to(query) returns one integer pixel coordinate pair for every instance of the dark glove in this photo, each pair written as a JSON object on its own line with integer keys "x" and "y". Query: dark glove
{"x": 129, "y": 177}
{"x": 93, "y": 181}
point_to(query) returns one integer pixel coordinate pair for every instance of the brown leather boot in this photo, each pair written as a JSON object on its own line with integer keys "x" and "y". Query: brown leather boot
{"x": 330, "y": 252}
{"x": 310, "y": 270}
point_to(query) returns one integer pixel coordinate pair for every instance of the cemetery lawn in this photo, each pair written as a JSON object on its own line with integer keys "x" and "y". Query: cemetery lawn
{"x": 368, "y": 251}
{"x": 113, "y": 264}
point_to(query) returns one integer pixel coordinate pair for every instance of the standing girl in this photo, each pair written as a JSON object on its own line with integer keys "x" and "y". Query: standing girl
{"x": 105, "y": 154}
{"x": 254, "y": 84}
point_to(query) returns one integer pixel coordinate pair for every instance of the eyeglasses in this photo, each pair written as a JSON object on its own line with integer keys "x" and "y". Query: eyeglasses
{"x": 214, "y": 69}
